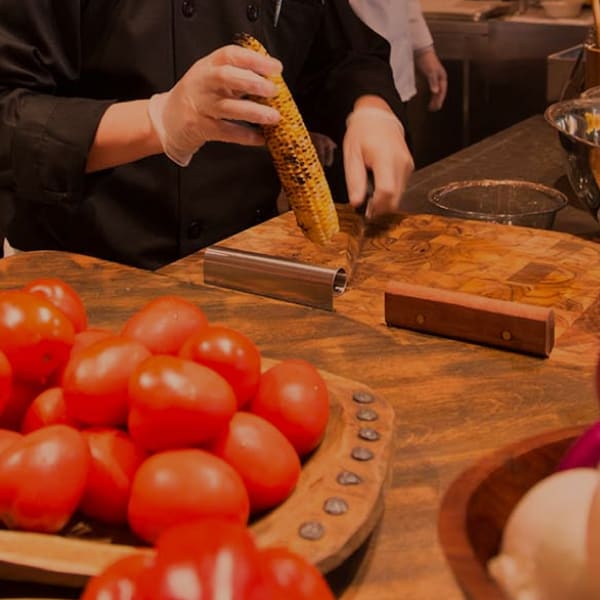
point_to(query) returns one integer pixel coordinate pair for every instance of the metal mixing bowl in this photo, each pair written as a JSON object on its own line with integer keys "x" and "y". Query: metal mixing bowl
{"x": 578, "y": 124}
{"x": 500, "y": 201}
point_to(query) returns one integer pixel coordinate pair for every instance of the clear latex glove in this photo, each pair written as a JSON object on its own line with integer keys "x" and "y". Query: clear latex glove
{"x": 375, "y": 141}
{"x": 213, "y": 93}
{"x": 429, "y": 65}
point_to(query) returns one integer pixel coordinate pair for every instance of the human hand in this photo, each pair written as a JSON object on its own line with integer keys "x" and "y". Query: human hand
{"x": 213, "y": 93}
{"x": 428, "y": 63}
{"x": 375, "y": 141}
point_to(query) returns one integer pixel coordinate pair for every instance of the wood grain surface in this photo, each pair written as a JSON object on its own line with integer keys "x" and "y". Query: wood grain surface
{"x": 530, "y": 266}
{"x": 502, "y": 323}
{"x": 454, "y": 401}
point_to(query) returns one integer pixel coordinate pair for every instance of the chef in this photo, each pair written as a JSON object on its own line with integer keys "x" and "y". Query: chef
{"x": 90, "y": 164}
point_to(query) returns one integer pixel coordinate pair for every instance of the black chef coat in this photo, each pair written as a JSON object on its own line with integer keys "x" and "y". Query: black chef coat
{"x": 63, "y": 62}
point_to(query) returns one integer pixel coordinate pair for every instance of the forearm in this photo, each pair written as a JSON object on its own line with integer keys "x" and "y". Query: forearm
{"x": 125, "y": 134}
{"x": 372, "y": 101}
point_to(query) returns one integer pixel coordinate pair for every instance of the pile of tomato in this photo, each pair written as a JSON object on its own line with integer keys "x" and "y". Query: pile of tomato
{"x": 168, "y": 426}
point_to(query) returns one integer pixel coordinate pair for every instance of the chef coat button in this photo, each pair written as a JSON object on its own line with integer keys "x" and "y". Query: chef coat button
{"x": 252, "y": 12}
{"x": 195, "y": 229}
{"x": 187, "y": 8}
{"x": 259, "y": 215}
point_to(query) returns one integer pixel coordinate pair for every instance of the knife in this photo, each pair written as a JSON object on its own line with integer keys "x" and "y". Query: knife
{"x": 278, "y": 4}
{"x": 358, "y": 230}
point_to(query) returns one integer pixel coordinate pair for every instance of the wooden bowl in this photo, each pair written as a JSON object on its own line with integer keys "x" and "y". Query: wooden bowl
{"x": 336, "y": 504}
{"x": 477, "y": 505}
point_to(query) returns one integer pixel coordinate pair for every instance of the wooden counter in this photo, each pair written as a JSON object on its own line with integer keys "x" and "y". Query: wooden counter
{"x": 454, "y": 401}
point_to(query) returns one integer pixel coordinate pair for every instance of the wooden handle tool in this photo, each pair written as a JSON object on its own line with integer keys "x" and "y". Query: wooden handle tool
{"x": 512, "y": 325}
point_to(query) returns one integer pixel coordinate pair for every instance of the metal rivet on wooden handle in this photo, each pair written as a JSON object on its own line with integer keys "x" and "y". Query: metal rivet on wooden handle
{"x": 512, "y": 325}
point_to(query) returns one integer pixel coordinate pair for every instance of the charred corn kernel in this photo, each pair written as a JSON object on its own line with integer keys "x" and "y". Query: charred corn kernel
{"x": 592, "y": 120}
{"x": 296, "y": 161}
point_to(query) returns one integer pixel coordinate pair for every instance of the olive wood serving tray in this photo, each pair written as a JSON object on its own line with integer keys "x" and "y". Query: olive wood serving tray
{"x": 476, "y": 506}
{"x": 334, "y": 507}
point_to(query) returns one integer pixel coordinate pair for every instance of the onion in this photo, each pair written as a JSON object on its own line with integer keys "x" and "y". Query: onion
{"x": 544, "y": 546}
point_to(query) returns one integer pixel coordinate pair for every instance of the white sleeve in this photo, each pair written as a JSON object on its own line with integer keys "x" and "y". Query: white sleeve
{"x": 419, "y": 32}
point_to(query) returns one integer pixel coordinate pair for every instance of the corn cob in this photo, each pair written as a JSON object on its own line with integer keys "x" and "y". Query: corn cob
{"x": 296, "y": 161}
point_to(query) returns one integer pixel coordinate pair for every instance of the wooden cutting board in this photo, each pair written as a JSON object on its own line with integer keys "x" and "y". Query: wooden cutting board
{"x": 531, "y": 266}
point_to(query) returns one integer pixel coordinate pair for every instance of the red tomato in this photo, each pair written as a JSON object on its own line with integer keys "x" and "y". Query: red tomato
{"x": 293, "y": 577}
{"x": 176, "y": 403}
{"x": 178, "y": 486}
{"x": 87, "y": 337}
{"x": 119, "y": 580}
{"x": 211, "y": 559}
{"x": 115, "y": 461}
{"x": 164, "y": 324}
{"x": 42, "y": 478}
{"x": 21, "y": 396}
{"x": 83, "y": 339}
{"x": 95, "y": 381}
{"x": 47, "y": 408}
{"x": 263, "y": 456}
{"x": 5, "y": 381}
{"x": 293, "y": 396}
{"x": 229, "y": 353}
{"x": 63, "y": 296}
{"x": 35, "y": 335}
{"x": 7, "y": 437}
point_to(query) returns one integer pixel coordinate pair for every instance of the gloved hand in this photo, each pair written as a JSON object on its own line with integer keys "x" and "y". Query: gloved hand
{"x": 211, "y": 94}
{"x": 428, "y": 63}
{"x": 374, "y": 140}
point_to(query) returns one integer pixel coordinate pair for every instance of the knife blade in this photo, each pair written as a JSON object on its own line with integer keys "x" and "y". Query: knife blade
{"x": 358, "y": 230}
{"x": 278, "y": 4}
